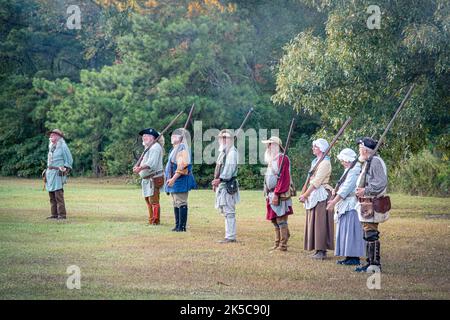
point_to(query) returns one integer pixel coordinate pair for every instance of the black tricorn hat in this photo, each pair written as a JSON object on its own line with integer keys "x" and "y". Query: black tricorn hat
{"x": 367, "y": 142}
{"x": 151, "y": 131}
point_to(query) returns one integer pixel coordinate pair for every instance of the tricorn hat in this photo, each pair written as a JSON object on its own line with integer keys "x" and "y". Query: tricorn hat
{"x": 367, "y": 142}
{"x": 150, "y": 131}
{"x": 57, "y": 131}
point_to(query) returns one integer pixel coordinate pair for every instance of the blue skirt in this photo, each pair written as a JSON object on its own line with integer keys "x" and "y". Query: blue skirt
{"x": 349, "y": 236}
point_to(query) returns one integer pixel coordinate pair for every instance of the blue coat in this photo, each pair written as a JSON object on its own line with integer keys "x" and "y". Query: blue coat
{"x": 60, "y": 157}
{"x": 184, "y": 183}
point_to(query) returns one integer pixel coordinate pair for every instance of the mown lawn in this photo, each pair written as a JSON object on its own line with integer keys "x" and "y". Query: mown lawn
{"x": 121, "y": 257}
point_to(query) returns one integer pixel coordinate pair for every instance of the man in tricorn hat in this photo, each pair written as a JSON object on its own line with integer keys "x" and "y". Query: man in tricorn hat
{"x": 59, "y": 163}
{"x": 151, "y": 171}
{"x": 224, "y": 179}
{"x": 372, "y": 192}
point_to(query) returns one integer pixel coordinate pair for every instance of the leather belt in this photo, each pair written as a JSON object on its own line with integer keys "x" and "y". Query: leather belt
{"x": 153, "y": 175}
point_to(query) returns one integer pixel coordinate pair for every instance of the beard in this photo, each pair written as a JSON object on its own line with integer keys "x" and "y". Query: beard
{"x": 268, "y": 156}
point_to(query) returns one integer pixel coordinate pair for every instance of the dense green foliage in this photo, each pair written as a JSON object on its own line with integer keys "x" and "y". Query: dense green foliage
{"x": 364, "y": 73}
{"x": 135, "y": 64}
{"x": 423, "y": 174}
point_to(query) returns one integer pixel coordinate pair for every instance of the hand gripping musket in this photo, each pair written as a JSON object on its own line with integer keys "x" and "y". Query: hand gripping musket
{"x": 138, "y": 163}
{"x": 238, "y": 131}
{"x": 336, "y": 137}
{"x": 362, "y": 181}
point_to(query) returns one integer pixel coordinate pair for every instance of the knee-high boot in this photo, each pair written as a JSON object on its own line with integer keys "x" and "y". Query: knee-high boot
{"x": 277, "y": 238}
{"x": 177, "y": 219}
{"x": 156, "y": 211}
{"x": 284, "y": 232}
{"x": 183, "y": 217}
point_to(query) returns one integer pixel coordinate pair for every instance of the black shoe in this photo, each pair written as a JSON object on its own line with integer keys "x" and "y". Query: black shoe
{"x": 363, "y": 268}
{"x": 342, "y": 261}
{"x": 351, "y": 262}
{"x": 52, "y": 217}
{"x": 61, "y": 218}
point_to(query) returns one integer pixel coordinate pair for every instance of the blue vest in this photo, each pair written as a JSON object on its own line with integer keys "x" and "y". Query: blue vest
{"x": 184, "y": 183}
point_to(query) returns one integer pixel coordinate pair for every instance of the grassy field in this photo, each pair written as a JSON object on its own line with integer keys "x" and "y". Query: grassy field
{"x": 121, "y": 257}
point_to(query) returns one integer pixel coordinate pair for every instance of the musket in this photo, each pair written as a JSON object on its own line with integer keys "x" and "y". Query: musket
{"x": 138, "y": 163}
{"x": 189, "y": 116}
{"x": 237, "y": 132}
{"x": 336, "y": 137}
{"x": 243, "y": 123}
{"x": 362, "y": 182}
{"x": 342, "y": 179}
{"x": 286, "y": 147}
{"x": 187, "y": 122}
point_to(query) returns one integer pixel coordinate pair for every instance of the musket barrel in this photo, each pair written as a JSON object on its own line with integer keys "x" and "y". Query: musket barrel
{"x": 156, "y": 140}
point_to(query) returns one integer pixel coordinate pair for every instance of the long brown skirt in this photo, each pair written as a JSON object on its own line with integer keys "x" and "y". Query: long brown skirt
{"x": 319, "y": 228}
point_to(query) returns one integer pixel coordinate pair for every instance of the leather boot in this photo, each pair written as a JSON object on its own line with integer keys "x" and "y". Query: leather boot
{"x": 183, "y": 218}
{"x": 370, "y": 251}
{"x": 177, "y": 219}
{"x": 156, "y": 211}
{"x": 277, "y": 239}
{"x": 284, "y": 232}
{"x": 376, "y": 254}
{"x": 149, "y": 209}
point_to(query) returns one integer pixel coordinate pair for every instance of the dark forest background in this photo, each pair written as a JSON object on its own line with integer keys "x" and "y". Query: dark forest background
{"x": 135, "y": 64}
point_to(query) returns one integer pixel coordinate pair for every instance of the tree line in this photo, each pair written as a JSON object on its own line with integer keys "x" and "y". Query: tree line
{"x": 135, "y": 64}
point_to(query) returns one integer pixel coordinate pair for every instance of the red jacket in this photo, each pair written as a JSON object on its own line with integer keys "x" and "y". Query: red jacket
{"x": 285, "y": 177}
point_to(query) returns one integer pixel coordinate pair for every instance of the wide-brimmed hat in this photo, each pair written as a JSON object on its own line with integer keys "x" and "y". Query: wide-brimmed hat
{"x": 347, "y": 155}
{"x": 56, "y": 131}
{"x": 273, "y": 139}
{"x": 150, "y": 131}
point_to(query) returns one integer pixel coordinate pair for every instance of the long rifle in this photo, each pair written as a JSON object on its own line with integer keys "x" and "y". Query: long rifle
{"x": 336, "y": 137}
{"x": 218, "y": 167}
{"x": 342, "y": 179}
{"x": 138, "y": 163}
{"x": 243, "y": 123}
{"x": 189, "y": 117}
{"x": 187, "y": 123}
{"x": 286, "y": 147}
{"x": 362, "y": 182}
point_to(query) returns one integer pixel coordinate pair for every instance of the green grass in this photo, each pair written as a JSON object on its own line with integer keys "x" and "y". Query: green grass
{"x": 121, "y": 257}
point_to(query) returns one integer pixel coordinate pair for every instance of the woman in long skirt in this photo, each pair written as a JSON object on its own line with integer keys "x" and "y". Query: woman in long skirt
{"x": 349, "y": 232}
